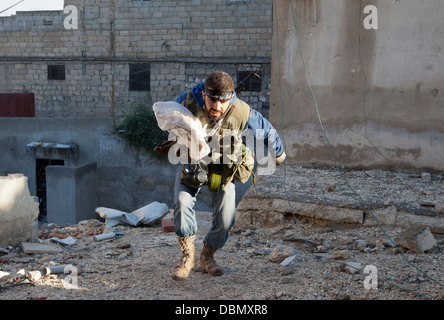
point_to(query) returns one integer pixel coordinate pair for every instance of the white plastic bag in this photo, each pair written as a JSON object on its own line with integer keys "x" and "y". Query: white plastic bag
{"x": 180, "y": 122}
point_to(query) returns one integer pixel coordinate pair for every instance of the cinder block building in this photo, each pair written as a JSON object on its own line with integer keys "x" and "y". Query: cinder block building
{"x": 66, "y": 76}
{"x": 97, "y": 57}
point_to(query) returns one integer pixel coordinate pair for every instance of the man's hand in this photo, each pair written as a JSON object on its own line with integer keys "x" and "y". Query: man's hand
{"x": 164, "y": 147}
{"x": 281, "y": 159}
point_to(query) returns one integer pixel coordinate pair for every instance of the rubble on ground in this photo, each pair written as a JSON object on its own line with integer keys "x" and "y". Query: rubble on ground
{"x": 259, "y": 263}
{"x": 284, "y": 257}
{"x": 367, "y": 197}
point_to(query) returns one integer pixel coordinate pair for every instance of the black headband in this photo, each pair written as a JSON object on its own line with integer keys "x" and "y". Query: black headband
{"x": 219, "y": 95}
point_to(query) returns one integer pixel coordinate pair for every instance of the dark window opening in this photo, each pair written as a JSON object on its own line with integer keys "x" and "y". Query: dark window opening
{"x": 56, "y": 72}
{"x": 40, "y": 166}
{"x": 139, "y": 77}
{"x": 252, "y": 84}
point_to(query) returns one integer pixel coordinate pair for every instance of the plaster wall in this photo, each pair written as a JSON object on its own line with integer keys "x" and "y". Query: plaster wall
{"x": 378, "y": 93}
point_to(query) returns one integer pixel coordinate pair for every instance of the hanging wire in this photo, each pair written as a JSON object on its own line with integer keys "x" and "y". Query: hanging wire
{"x": 11, "y": 6}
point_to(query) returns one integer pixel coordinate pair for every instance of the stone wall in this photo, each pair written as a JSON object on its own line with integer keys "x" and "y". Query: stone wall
{"x": 180, "y": 41}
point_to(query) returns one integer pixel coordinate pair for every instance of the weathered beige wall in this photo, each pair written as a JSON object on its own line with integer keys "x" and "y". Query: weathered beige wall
{"x": 18, "y": 210}
{"x": 379, "y": 92}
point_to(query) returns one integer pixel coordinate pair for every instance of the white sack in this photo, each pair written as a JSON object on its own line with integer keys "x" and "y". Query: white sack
{"x": 146, "y": 215}
{"x": 180, "y": 122}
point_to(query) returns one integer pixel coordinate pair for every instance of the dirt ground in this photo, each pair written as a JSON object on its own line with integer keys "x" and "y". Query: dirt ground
{"x": 138, "y": 264}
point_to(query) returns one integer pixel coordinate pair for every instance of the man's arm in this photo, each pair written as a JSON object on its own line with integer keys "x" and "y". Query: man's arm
{"x": 264, "y": 130}
{"x": 181, "y": 98}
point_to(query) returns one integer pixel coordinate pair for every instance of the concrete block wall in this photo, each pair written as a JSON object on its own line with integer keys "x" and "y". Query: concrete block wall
{"x": 176, "y": 38}
{"x": 71, "y": 193}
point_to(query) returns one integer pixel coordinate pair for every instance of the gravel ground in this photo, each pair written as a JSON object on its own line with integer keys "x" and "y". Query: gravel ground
{"x": 297, "y": 259}
{"x": 138, "y": 265}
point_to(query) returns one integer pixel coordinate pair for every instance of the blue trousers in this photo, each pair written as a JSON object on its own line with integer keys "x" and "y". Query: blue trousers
{"x": 224, "y": 211}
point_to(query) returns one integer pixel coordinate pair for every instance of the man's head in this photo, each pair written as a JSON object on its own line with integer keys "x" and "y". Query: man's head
{"x": 218, "y": 94}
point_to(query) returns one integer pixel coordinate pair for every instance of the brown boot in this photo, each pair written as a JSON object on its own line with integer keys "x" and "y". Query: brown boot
{"x": 188, "y": 260}
{"x": 207, "y": 262}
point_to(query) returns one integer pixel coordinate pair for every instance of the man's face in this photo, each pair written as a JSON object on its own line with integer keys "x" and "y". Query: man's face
{"x": 215, "y": 108}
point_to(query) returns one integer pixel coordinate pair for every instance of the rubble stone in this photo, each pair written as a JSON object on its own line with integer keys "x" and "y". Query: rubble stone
{"x": 361, "y": 244}
{"x": 417, "y": 239}
{"x": 352, "y": 267}
{"x": 34, "y": 276}
{"x": 280, "y": 253}
{"x": 341, "y": 255}
{"x": 439, "y": 208}
{"x": 18, "y": 210}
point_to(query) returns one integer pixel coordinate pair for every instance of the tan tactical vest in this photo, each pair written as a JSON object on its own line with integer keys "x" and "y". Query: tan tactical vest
{"x": 241, "y": 165}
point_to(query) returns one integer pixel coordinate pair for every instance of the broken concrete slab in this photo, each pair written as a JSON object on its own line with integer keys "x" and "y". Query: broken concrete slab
{"x": 18, "y": 209}
{"x": 146, "y": 215}
{"x": 259, "y": 218}
{"x": 385, "y": 198}
{"x": 4, "y": 250}
{"x": 418, "y": 239}
{"x": 33, "y": 248}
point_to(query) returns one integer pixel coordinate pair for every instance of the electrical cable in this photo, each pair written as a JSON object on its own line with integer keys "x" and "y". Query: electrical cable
{"x": 365, "y": 86}
{"x": 11, "y": 6}
{"x": 282, "y": 118}
{"x": 325, "y": 136}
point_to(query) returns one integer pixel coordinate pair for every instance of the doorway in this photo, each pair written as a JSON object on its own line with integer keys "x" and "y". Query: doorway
{"x": 41, "y": 165}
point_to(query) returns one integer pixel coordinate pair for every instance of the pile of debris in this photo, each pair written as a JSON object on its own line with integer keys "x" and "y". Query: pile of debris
{"x": 85, "y": 228}
{"x": 278, "y": 248}
{"x": 53, "y": 240}
{"x": 296, "y": 260}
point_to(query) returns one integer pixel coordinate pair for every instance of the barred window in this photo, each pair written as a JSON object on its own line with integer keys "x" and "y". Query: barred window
{"x": 56, "y": 72}
{"x": 139, "y": 77}
{"x": 252, "y": 84}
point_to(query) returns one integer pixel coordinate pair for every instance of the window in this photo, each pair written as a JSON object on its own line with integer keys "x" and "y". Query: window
{"x": 251, "y": 84}
{"x": 139, "y": 77}
{"x": 56, "y": 72}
